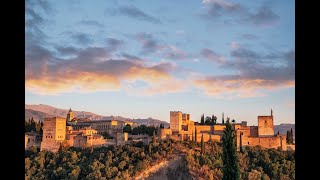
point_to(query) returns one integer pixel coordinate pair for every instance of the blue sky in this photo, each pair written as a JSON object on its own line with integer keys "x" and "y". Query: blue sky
{"x": 141, "y": 59}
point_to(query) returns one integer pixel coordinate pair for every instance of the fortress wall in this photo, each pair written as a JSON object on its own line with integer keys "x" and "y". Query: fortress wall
{"x": 218, "y": 129}
{"x": 266, "y": 142}
{"x": 204, "y": 129}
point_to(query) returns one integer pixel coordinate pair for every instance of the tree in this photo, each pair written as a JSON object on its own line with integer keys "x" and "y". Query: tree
{"x": 161, "y": 126}
{"x": 202, "y": 119}
{"x": 291, "y": 136}
{"x": 202, "y": 145}
{"x": 233, "y": 121}
{"x": 208, "y": 120}
{"x": 230, "y": 160}
{"x": 127, "y": 128}
{"x": 222, "y": 118}
{"x": 228, "y": 120}
{"x": 214, "y": 119}
{"x": 195, "y": 134}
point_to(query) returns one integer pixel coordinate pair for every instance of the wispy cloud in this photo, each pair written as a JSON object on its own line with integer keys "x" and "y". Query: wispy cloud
{"x": 263, "y": 17}
{"x": 114, "y": 44}
{"x": 149, "y": 43}
{"x": 256, "y": 73}
{"x": 212, "y": 56}
{"x": 81, "y": 38}
{"x": 230, "y": 12}
{"x": 133, "y": 12}
{"x": 92, "y": 70}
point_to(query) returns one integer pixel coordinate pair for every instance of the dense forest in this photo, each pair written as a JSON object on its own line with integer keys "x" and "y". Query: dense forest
{"x": 113, "y": 162}
{"x": 254, "y": 162}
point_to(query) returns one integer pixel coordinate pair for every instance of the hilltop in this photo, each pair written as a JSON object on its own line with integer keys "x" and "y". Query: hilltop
{"x": 40, "y": 111}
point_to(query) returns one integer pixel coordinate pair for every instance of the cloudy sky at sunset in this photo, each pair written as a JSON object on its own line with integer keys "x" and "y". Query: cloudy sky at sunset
{"x": 144, "y": 58}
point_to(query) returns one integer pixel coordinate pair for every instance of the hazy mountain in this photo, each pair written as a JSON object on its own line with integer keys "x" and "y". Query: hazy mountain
{"x": 38, "y": 112}
{"x": 37, "y": 115}
{"x": 283, "y": 128}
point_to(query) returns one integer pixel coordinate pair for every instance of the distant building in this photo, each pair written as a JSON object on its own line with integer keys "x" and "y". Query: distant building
{"x": 70, "y": 115}
{"x": 32, "y": 139}
{"x": 182, "y": 128}
{"x": 54, "y": 133}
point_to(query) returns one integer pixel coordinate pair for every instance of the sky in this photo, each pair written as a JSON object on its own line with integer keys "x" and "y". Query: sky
{"x": 141, "y": 59}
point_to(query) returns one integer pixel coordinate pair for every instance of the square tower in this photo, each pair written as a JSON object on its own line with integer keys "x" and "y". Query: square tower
{"x": 265, "y": 126}
{"x": 175, "y": 120}
{"x": 54, "y": 132}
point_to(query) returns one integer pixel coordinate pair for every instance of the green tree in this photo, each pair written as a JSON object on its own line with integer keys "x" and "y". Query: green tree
{"x": 230, "y": 160}
{"x": 208, "y": 120}
{"x": 214, "y": 119}
{"x": 195, "y": 135}
{"x": 202, "y": 119}
{"x": 202, "y": 145}
{"x": 222, "y": 118}
{"x": 127, "y": 128}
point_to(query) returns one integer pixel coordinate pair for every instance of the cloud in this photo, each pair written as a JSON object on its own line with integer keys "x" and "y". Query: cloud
{"x": 172, "y": 52}
{"x": 255, "y": 74}
{"x": 237, "y": 86}
{"x": 63, "y": 50}
{"x": 81, "y": 38}
{"x": 230, "y": 12}
{"x": 34, "y": 19}
{"x": 133, "y": 12}
{"x": 114, "y": 44}
{"x": 149, "y": 44}
{"x": 264, "y": 17}
{"x": 217, "y": 8}
{"x": 212, "y": 56}
{"x": 93, "y": 69}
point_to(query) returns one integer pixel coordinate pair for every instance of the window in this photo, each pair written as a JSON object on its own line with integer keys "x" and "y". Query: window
{"x": 248, "y": 142}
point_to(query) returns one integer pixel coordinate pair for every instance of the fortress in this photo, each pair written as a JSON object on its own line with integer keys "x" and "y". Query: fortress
{"x": 75, "y": 132}
{"x": 183, "y": 128}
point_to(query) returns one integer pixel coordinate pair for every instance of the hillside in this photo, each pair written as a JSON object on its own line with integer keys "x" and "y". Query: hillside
{"x": 283, "y": 128}
{"x": 38, "y": 112}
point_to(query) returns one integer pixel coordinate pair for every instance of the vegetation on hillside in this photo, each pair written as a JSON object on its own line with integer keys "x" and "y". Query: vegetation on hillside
{"x": 113, "y": 162}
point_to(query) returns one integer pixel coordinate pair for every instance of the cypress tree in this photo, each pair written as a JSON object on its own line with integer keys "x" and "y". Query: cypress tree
{"x": 231, "y": 170}
{"x": 202, "y": 119}
{"x": 288, "y": 137}
{"x": 202, "y": 145}
{"x": 222, "y": 118}
{"x": 195, "y": 135}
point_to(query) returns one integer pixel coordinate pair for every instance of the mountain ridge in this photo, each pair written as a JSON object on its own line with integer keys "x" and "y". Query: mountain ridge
{"x": 40, "y": 111}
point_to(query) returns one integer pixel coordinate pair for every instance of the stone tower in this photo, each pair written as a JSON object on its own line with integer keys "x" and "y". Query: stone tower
{"x": 54, "y": 132}
{"x": 175, "y": 121}
{"x": 70, "y": 115}
{"x": 265, "y": 125}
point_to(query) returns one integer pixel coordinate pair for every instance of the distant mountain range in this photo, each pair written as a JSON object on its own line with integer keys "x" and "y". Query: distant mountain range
{"x": 39, "y": 112}
{"x": 283, "y": 128}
